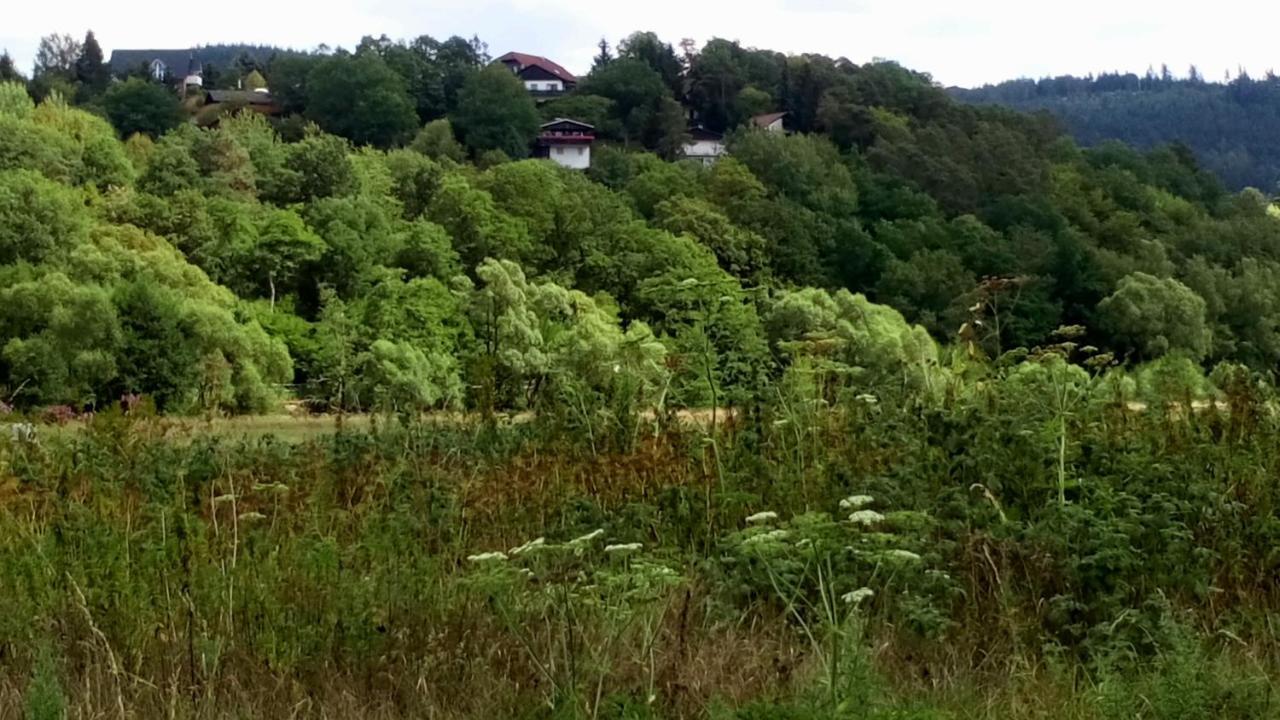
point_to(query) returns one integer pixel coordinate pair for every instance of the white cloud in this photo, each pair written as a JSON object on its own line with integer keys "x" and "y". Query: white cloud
{"x": 958, "y": 43}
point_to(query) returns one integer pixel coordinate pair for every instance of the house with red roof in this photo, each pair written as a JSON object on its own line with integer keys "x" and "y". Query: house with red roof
{"x": 542, "y": 77}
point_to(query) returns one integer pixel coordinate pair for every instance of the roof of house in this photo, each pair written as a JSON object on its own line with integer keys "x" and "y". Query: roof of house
{"x": 566, "y": 122}
{"x": 698, "y": 132}
{"x": 125, "y": 60}
{"x": 178, "y": 59}
{"x": 764, "y": 121}
{"x": 524, "y": 60}
{"x": 537, "y": 72}
{"x": 247, "y": 97}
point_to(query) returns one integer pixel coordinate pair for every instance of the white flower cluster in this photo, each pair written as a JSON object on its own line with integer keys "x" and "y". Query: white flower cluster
{"x": 866, "y": 517}
{"x": 762, "y": 517}
{"x": 903, "y": 555}
{"x": 585, "y": 539}
{"x": 766, "y": 537}
{"x": 485, "y": 557}
{"x": 623, "y": 548}
{"x": 531, "y": 545}
{"x": 854, "y": 502}
{"x": 857, "y": 596}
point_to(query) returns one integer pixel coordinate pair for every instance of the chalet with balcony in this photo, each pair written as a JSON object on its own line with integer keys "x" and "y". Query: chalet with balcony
{"x": 567, "y": 143}
{"x": 543, "y": 78}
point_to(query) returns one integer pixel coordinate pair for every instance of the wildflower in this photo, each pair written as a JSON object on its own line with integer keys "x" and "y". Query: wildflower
{"x": 271, "y": 487}
{"x": 868, "y": 399}
{"x": 586, "y": 538}
{"x": 766, "y": 537}
{"x": 866, "y": 517}
{"x": 531, "y": 545}
{"x": 857, "y": 596}
{"x": 762, "y": 517}
{"x": 853, "y": 502}
{"x": 625, "y": 548}
{"x": 224, "y": 499}
{"x": 903, "y": 555}
{"x": 485, "y": 557}
{"x": 252, "y": 516}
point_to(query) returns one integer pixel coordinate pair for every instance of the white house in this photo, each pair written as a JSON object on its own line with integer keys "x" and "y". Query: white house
{"x": 704, "y": 145}
{"x": 770, "y": 122}
{"x": 540, "y": 76}
{"x": 567, "y": 143}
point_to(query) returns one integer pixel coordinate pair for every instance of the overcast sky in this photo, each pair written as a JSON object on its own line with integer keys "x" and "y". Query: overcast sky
{"x": 959, "y": 43}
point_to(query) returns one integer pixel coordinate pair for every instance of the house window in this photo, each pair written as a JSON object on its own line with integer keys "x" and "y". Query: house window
{"x": 559, "y": 151}
{"x": 580, "y": 150}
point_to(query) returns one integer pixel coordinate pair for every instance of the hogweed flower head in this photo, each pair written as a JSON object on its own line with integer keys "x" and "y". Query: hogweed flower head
{"x": 531, "y": 545}
{"x": 623, "y": 548}
{"x": 766, "y": 537}
{"x": 903, "y": 555}
{"x": 854, "y": 502}
{"x": 583, "y": 540}
{"x": 866, "y": 517}
{"x": 762, "y": 517}
{"x": 857, "y": 596}
{"x": 485, "y": 557}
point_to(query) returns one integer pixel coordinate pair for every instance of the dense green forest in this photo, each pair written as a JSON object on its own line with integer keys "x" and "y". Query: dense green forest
{"x": 919, "y": 410}
{"x": 1231, "y": 126}
{"x": 425, "y": 266}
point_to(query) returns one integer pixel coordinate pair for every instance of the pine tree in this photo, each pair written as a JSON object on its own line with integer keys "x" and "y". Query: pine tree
{"x": 8, "y": 71}
{"x": 605, "y": 57}
{"x": 91, "y": 73}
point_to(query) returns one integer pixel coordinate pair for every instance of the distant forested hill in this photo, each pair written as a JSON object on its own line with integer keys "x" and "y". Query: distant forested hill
{"x": 1233, "y": 128}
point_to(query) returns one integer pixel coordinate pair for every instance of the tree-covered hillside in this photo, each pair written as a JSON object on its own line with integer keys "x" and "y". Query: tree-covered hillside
{"x": 416, "y": 266}
{"x": 1232, "y": 128}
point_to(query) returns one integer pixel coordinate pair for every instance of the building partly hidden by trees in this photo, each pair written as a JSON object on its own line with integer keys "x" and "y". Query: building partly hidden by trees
{"x": 398, "y": 254}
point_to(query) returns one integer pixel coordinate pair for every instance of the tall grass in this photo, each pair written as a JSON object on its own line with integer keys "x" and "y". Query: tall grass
{"x": 1023, "y": 563}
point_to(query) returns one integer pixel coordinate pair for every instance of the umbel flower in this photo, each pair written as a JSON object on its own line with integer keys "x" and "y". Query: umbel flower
{"x": 531, "y": 545}
{"x": 854, "y": 502}
{"x": 762, "y": 517}
{"x": 866, "y": 517}
{"x": 578, "y": 541}
{"x": 623, "y": 548}
{"x": 857, "y": 596}
{"x": 485, "y": 557}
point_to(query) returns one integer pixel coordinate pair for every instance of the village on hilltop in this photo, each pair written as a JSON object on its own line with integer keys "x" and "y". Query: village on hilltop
{"x": 565, "y": 141}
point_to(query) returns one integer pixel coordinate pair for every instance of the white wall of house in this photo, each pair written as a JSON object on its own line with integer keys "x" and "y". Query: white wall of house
{"x": 775, "y": 126}
{"x": 544, "y": 85}
{"x": 576, "y": 157}
{"x": 705, "y": 150}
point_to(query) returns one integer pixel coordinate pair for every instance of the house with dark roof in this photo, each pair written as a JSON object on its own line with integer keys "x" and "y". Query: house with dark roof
{"x": 176, "y": 64}
{"x": 566, "y": 142}
{"x": 541, "y": 77}
{"x": 705, "y": 146}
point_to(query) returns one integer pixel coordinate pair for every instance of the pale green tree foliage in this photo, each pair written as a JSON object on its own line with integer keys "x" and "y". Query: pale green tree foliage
{"x": 400, "y": 378}
{"x": 538, "y": 340}
{"x": 472, "y": 219}
{"x": 61, "y": 142}
{"x": 849, "y": 328}
{"x": 437, "y": 141}
{"x": 103, "y": 162}
{"x": 738, "y": 250}
{"x": 61, "y": 339}
{"x": 1174, "y": 382}
{"x": 14, "y": 100}
{"x": 1155, "y": 316}
{"x": 284, "y": 246}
